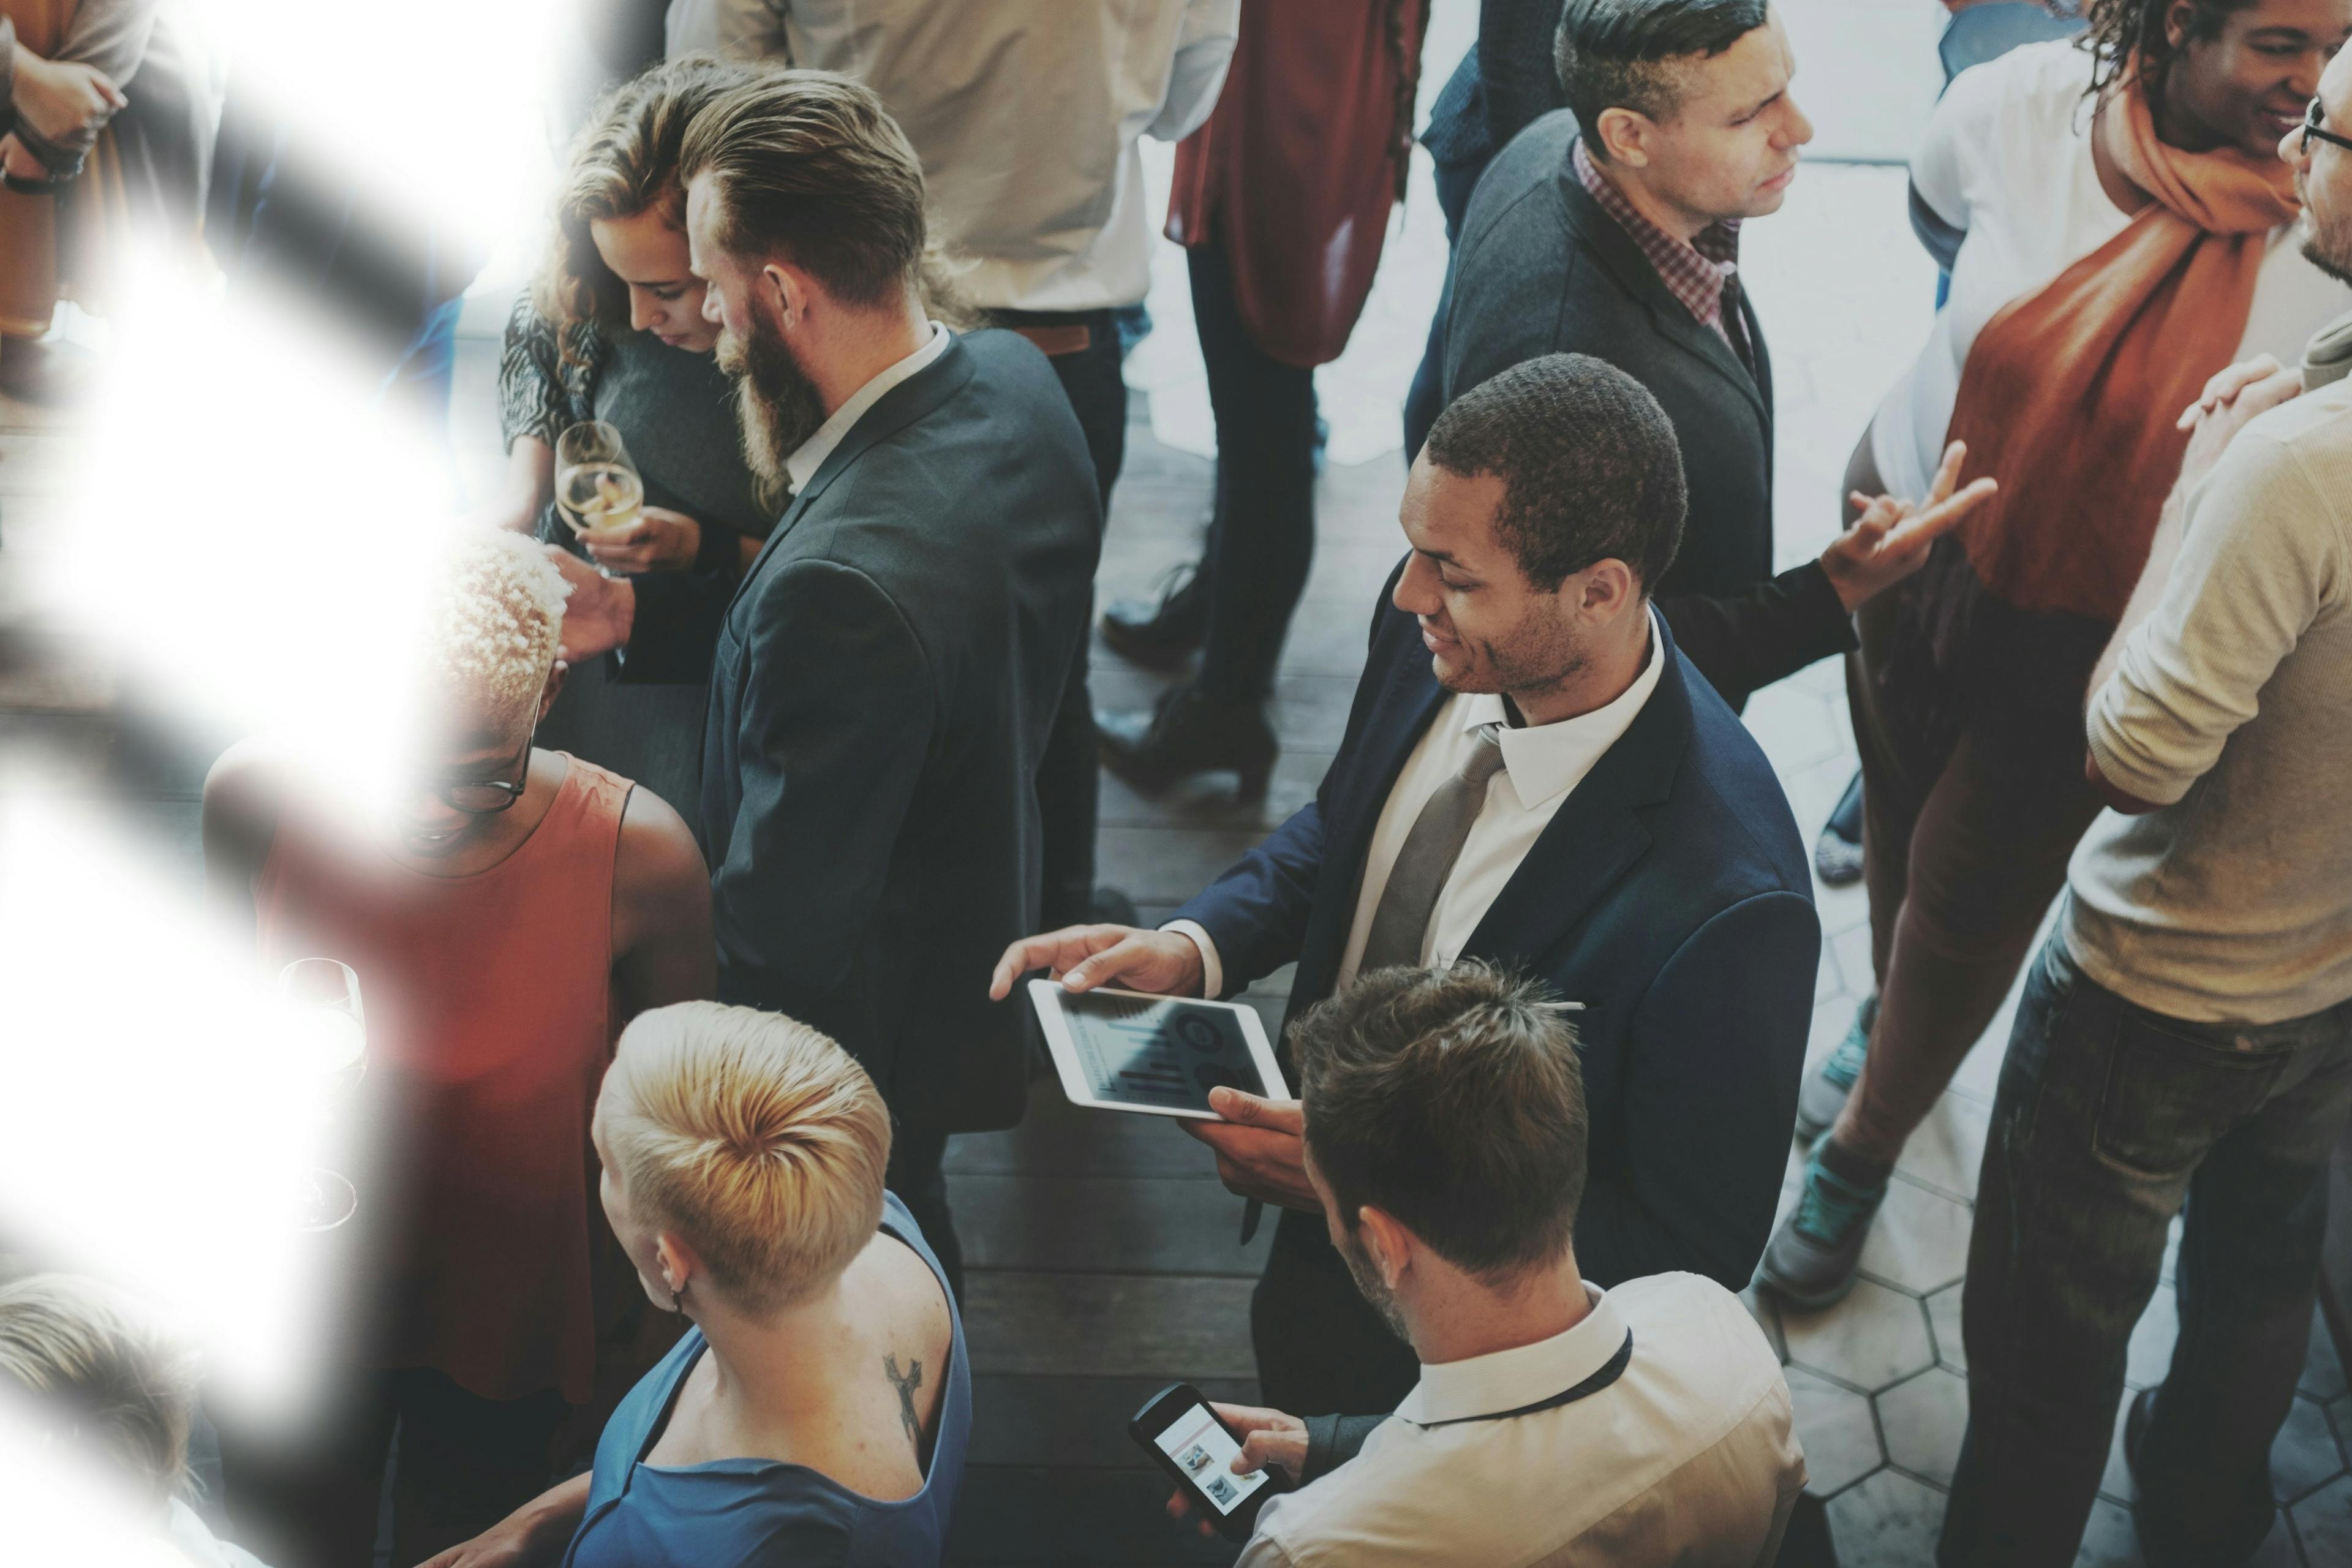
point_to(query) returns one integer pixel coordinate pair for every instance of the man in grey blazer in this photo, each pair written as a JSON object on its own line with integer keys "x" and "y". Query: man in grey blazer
{"x": 1620, "y": 240}
{"x": 884, "y": 677}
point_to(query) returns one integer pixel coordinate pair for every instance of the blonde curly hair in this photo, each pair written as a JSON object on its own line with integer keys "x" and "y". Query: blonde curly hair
{"x": 493, "y": 622}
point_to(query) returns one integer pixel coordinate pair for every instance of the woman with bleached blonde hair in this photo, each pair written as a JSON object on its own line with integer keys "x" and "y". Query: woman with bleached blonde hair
{"x": 107, "y": 1383}
{"x": 818, "y": 1408}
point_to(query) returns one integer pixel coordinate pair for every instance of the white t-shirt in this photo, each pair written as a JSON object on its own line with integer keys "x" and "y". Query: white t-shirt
{"x": 2007, "y": 159}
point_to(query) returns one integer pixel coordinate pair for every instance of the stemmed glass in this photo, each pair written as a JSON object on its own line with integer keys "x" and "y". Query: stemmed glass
{"x": 325, "y": 1041}
{"x": 597, "y": 487}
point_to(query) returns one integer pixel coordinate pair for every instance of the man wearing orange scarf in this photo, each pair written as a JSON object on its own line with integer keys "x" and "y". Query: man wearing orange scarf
{"x": 2186, "y": 1037}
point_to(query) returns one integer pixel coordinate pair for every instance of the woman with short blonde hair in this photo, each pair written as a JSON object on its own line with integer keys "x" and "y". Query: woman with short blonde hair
{"x": 821, "y": 1402}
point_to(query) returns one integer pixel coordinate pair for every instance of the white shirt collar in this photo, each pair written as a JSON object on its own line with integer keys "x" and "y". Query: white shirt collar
{"x": 811, "y": 454}
{"x": 1505, "y": 1380}
{"x": 1542, "y": 761}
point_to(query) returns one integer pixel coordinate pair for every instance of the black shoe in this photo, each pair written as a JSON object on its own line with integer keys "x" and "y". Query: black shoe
{"x": 2161, "y": 1544}
{"x": 1160, "y": 632}
{"x": 1187, "y": 733}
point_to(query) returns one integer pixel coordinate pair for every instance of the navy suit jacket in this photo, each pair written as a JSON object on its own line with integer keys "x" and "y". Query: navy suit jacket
{"x": 1670, "y": 896}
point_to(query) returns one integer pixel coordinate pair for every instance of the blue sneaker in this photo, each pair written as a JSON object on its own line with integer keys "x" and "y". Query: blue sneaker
{"x": 1823, "y": 1094}
{"x": 1810, "y": 1261}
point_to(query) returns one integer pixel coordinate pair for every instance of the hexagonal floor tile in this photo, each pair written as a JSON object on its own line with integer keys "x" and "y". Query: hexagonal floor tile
{"x": 1888, "y": 1521}
{"x": 2108, "y": 1540}
{"x": 1767, "y": 1318}
{"x": 1920, "y": 1240}
{"x": 2322, "y": 1370}
{"x": 2305, "y": 1457}
{"x": 2150, "y": 1353}
{"x": 1835, "y": 1425}
{"x": 1874, "y": 1338}
{"x": 2323, "y": 1521}
{"x": 2116, "y": 1483}
{"x": 1944, "y": 1318}
{"x": 1948, "y": 1147}
{"x": 1924, "y": 1420}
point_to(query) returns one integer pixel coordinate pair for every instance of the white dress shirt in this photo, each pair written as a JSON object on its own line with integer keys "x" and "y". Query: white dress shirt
{"x": 1542, "y": 765}
{"x": 1689, "y": 1457}
{"x": 1024, "y": 112}
{"x": 810, "y": 455}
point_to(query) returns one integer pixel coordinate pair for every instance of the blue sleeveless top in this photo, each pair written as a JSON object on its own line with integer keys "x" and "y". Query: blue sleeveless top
{"x": 751, "y": 1513}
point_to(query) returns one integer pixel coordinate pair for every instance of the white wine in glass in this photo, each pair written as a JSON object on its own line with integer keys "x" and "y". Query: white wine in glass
{"x": 596, "y": 487}
{"x": 324, "y": 1040}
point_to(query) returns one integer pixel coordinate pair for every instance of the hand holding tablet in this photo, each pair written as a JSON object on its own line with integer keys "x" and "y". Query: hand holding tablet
{"x": 1158, "y": 1056}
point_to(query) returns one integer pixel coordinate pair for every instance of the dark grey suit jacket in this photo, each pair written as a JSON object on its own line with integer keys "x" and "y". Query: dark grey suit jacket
{"x": 881, "y": 687}
{"x": 1540, "y": 269}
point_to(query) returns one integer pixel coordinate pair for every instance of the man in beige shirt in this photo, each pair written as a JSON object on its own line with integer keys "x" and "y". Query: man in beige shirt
{"x": 1554, "y": 1423}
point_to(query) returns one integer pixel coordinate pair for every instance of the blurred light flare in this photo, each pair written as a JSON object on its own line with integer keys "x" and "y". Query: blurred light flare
{"x": 154, "y": 1126}
{"x": 59, "y": 1504}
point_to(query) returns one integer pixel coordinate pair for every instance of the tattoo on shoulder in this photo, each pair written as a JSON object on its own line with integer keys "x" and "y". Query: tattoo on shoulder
{"x": 906, "y": 1382}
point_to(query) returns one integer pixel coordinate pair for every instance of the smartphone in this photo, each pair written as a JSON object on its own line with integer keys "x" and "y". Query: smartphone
{"x": 1178, "y": 1429}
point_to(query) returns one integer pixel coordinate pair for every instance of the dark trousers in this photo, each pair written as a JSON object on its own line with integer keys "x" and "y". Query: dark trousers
{"x": 1067, "y": 774}
{"x": 1321, "y": 1349}
{"x": 916, "y": 1174}
{"x": 2107, "y": 1117}
{"x": 464, "y": 1464}
{"x": 1965, "y": 842}
{"x": 1426, "y": 399}
{"x": 1262, "y": 537}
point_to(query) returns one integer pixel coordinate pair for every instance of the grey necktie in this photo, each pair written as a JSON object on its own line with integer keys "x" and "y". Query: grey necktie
{"x": 1410, "y": 899}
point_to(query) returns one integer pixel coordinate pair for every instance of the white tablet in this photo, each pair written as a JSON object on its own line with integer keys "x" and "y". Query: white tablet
{"x": 1123, "y": 1050}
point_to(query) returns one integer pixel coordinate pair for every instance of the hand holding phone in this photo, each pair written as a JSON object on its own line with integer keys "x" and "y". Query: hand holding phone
{"x": 1198, "y": 1444}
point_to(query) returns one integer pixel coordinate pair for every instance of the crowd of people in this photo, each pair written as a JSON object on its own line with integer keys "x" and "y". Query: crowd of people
{"x": 697, "y": 925}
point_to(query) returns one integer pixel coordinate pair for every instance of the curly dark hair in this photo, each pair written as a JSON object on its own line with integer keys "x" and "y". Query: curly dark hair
{"x": 2128, "y": 35}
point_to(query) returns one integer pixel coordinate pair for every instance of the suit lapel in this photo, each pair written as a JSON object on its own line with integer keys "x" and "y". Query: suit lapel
{"x": 1669, "y": 318}
{"x": 912, "y": 399}
{"x": 1598, "y": 833}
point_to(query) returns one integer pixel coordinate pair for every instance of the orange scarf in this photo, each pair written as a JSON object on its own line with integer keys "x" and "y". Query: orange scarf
{"x": 2069, "y": 395}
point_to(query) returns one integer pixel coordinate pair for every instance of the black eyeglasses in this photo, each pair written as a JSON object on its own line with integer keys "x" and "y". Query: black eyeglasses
{"x": 488, "y": 797}
{"x": 2311, "y": 119}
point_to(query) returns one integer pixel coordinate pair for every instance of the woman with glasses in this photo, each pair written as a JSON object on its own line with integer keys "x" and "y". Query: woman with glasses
{"x": 613, "y": 331}
{"x": 507, "y": 909}
{"x": 2119, "y": 226}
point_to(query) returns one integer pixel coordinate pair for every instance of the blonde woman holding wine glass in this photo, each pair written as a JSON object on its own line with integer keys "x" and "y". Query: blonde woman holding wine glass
{"x": 612, "y": 335}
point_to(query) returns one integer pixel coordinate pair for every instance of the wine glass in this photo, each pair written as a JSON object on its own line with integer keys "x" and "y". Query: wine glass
{"x": 324, "y": 1038}
{"x": 597, "y": 487}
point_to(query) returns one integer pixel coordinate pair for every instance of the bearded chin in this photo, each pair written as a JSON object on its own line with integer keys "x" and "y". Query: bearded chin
{"x": 776, "y": 404}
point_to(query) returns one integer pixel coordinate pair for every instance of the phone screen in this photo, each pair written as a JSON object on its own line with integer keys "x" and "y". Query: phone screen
{"x": 1204, "y": 1451}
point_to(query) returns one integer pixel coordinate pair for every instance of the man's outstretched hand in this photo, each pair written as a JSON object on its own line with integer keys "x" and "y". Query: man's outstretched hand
{"x": 1164, "y": 963}
{"x": 1890, "y": 540}
{"x": 601, "y": 611}
{"x": 1261, "y": 1148}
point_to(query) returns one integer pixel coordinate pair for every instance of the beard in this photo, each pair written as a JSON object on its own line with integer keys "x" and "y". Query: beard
{"x": 1373, "y": 1288}
{"x": 776, "y": 404}
{"x": 2329, "y": 248}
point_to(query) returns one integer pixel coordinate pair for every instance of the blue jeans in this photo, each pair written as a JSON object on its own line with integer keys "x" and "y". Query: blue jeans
{"x": 2108, "y": 1117}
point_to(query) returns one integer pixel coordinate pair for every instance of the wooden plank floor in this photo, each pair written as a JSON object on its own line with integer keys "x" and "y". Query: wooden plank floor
{"x": 1102, "y": 1257}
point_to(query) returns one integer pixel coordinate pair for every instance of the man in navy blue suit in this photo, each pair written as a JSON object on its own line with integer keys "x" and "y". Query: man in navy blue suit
{"x": 1532, "y": 775}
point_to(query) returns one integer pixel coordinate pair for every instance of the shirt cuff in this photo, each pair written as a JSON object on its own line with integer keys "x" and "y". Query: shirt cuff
{"x": 1213, "y": 973}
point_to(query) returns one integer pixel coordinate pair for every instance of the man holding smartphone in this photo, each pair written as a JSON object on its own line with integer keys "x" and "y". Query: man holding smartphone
{"x": 1553, "y": 1422}
{"x": 1533, "y": 775}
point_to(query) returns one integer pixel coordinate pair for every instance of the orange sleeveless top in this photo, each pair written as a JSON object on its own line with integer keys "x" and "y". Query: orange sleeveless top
{"x": 490, "y": 1022}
